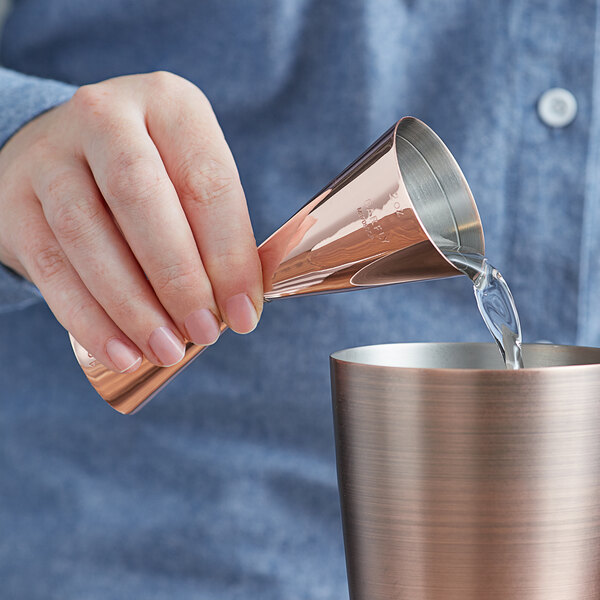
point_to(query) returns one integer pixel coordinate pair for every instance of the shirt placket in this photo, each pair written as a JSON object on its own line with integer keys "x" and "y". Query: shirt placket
{"x": 547, "y": 202}
{"x": 589, "y": 284}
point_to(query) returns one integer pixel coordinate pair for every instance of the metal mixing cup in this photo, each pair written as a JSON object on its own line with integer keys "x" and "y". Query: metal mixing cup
{"x": 460, "y": 480}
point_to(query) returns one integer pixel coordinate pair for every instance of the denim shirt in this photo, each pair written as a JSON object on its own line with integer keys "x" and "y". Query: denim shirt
{"x": 225, "y": 485}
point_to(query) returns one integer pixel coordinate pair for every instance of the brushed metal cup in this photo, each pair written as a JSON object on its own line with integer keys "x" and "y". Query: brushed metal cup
{"x": 389, "y": 217}
{"x": 460, "y": 480}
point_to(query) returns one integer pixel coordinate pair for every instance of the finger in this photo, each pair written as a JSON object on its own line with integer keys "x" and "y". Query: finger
{"x": 74, "y": 307}
{"x": 203, "y": 171}
{"x": 131, "y": 177}
{"x": 91, "y": 241}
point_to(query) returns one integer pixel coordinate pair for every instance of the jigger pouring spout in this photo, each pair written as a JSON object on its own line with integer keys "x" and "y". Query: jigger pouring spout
{"x": 390, "y": 217}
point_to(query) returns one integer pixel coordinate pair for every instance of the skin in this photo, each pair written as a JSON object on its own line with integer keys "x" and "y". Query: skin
{"x": 125, "y": 208}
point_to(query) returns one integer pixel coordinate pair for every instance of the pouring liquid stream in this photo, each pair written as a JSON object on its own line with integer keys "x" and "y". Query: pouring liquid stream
{"x": 495, "y": 302}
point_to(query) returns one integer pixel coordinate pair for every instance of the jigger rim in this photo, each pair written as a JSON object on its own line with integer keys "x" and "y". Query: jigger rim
{"x": 545, "y": 358}
{"x": 445, "y": 170}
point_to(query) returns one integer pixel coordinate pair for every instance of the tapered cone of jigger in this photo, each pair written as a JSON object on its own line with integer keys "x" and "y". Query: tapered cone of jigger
{"x": 389, "y": 217}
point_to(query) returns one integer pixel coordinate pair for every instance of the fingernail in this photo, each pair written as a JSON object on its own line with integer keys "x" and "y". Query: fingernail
{"x": 122, "y": 356}
{"x": 241, "y": 314}
{"x": 167, "y": 347}
{"x": 202, "y": 327}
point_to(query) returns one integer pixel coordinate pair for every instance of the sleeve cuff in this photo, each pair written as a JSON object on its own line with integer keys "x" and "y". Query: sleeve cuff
{"x": 24, "y": 97}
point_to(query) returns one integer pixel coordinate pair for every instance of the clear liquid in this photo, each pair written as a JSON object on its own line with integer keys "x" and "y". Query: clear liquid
{"x": 495, "y": 302}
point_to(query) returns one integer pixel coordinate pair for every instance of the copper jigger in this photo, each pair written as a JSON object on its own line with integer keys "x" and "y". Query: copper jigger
{"x": 460, "y": 480}
{"x": 387, "y": 218}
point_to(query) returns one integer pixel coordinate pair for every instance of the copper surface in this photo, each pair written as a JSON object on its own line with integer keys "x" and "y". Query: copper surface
{"x": 361, "y": 230}
{"x": 469, "y": 484}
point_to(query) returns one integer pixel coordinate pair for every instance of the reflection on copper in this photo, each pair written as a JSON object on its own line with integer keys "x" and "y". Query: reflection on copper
{"x": 360, "y": 231}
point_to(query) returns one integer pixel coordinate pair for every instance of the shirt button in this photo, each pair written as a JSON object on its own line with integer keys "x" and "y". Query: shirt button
{"x": 557, "y": 107}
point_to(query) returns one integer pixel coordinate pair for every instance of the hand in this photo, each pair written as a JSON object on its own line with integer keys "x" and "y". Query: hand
{"x": 124, "y": 207}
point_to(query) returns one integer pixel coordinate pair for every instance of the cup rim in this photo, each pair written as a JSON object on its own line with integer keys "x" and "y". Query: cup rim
{"x": 341, "y": 357}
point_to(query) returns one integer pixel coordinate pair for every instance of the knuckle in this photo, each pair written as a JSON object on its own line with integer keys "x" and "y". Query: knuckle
{"x": 59, "y": 183}
{"x": 237, "y": 261}
{"x": 73, "y": 221}
{"x": 48, "y": 261}
{"x": 176, "y": 279}
{"x": 101, "y": 108}
{"x": 77, "y": 313}
{"x": 163, "y": 80}
{"x": 232, "y": 259}
{"x": 131, "y": 179}
{"x": 126, "y": 307}
{"x": 89, "y": 99}
{"x": 181, "y": 97}
{"x": 39, "y": 150}
{"x": 206, "y": 184}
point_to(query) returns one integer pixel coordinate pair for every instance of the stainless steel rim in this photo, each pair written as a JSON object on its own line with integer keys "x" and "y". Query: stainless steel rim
{"x": 466, "y": 356}
{"x": 437, "y": 188}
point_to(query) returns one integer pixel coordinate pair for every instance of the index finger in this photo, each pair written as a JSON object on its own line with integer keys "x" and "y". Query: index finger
{"x": 203, "y": 171}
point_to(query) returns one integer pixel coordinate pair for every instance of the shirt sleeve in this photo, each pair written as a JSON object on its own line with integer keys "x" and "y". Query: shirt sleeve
{"x": 22, "y": 98}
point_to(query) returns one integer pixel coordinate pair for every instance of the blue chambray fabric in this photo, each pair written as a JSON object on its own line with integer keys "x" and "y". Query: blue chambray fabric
{"x": 225, "y": 486}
